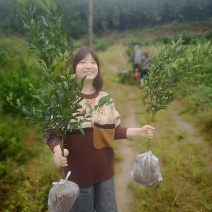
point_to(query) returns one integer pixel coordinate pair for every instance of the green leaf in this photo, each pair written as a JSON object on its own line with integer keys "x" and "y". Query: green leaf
{"x": 44, "y": 21}
{"x": 18, "y": 102}
{"x": 40, "y": 99}
{"x": 41, "y": 5}
{"x": 26, "y": 111}
{"x": 82, "y": 131}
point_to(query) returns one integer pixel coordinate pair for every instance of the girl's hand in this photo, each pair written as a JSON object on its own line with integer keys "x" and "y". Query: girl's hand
{"x": 59, "y": 160}
{"x": 146, "y": 131}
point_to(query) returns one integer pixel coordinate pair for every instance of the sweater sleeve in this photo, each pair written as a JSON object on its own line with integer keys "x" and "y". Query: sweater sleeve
{"x": 120, "y": 133}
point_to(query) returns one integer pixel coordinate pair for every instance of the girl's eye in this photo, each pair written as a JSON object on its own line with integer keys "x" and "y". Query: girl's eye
{"x": 93, "y": 62}
{"x": 82, "y": 61}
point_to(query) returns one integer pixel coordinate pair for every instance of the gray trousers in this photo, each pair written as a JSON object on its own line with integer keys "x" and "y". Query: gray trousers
{"x": 100, "y": 198}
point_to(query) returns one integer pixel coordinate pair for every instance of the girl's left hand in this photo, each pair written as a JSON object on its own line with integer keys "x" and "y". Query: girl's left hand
{"x": 146, "y": 131}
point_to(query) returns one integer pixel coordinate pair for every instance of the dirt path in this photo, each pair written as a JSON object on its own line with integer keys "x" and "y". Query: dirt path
{"x": 123, "y": 178}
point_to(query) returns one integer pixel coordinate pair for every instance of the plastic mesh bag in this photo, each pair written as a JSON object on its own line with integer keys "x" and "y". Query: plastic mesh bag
{"x": 62, "y": 195}
{"x": 146, "y": 170}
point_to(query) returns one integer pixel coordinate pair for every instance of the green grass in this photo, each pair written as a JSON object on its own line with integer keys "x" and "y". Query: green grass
{"x": 186, "y": 179}
{"x": 27, "y": 180}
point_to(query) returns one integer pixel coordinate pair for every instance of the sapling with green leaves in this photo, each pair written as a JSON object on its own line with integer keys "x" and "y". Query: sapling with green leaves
{"x": 59, "y": 99}
{"x": 169, "y": 67}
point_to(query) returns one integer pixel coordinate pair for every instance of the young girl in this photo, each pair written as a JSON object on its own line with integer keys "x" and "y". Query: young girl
{"x": 90, "y": 158}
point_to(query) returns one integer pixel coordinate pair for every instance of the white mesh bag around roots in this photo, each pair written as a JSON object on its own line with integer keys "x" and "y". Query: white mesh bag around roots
{"x": 62, "y": 195}
{"x": 146, "y": 169}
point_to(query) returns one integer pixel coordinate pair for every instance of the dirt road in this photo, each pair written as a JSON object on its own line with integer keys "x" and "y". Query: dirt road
{"x": 123, "y": 178}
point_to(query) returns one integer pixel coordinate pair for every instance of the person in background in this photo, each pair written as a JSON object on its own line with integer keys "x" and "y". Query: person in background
{"x": 144, "y": 66}
{"x": 90, "y": 157}
{"x": 137, "y": 61}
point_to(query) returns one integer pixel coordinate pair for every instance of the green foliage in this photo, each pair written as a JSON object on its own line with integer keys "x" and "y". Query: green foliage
{"x": 102, "y": 45}
{"x": 115, "y": 14}
{"x": 75, "y": 17}
{"x": 185, "y": 166}
{"x": 16, "y": 73}
{"x": 198, "y": 97}
{"x": 209, "y": 35}
{"x": 60, "y": 99}
{"x": 188, "y": 39}
{"x": 12, "y": 149}
{"x": 25, "y": 158}
{"x": 34, "y": 198}
{"x": 134, "y": 41}
{"x": 125, "y": 76}
{"x": 195, "y": 95}
{"x": 130, "y": 47}
{"x": 130, "y": 53}
{"x": 171, "y": 65}
{"x": 44, "y": 34}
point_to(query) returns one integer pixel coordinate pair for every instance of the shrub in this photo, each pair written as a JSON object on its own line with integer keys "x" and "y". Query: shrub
{"x": 102, "y": 45}
{"x": 23, "y": 157}
{"x": 125, "y": 76}
{"x": 13, "y": 149}
{"x": 16, "y": 74}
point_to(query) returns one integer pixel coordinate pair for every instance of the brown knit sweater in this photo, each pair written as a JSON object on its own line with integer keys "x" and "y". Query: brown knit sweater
{"x": 91, "y": 156}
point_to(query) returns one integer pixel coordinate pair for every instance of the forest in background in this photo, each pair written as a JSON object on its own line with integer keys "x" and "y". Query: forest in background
{"x": 114, "y": 14}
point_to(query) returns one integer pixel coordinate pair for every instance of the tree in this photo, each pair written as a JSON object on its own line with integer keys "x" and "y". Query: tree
{"x": 90, "y": 23}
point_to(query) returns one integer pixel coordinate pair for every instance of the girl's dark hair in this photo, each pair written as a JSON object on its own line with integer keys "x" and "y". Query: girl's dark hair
{"x": 78, "y": 55}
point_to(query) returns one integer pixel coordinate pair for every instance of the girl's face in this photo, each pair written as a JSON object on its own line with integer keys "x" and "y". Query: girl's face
{"x": 87, "y": 67}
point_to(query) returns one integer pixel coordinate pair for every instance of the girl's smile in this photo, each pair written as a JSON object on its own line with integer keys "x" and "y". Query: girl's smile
{"x": 87, "y": 67}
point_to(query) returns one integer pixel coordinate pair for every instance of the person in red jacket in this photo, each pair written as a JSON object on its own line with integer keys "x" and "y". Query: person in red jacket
{"x": 90, "y": 157}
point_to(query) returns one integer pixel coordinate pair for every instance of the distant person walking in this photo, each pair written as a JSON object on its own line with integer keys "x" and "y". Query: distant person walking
{"x": 137, "y": 61}
{"x": 144, "y": 67}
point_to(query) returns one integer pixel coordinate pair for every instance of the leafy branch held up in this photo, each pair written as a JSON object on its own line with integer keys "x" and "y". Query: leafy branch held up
{"x": 170, "y": 66}
{"x": 59, "y": 100}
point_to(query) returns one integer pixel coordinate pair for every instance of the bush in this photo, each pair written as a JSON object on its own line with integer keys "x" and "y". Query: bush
{"x": 102, "y": 45}
{"x": 13, "y": 149}
{"x": 126, "y": 76}
{"x": 197, "y": 91}
{"x": 189, "y": 39}
{"x": 23, "y": 157}
{"x": 16, "y": 75}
